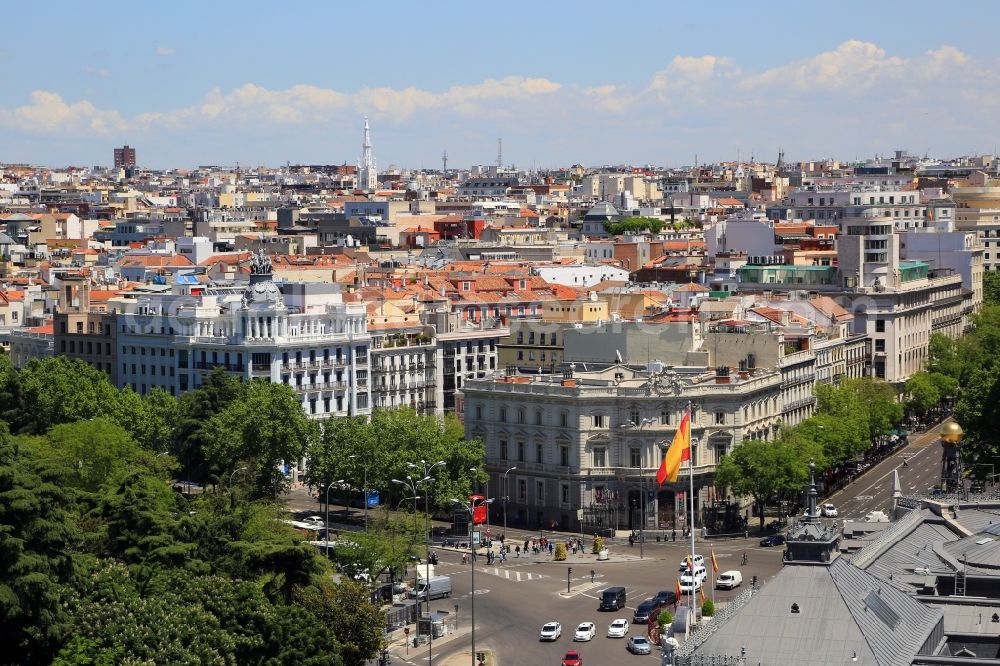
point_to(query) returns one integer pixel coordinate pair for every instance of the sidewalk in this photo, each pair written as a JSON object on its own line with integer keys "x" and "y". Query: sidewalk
{"x": 579, "y": 558}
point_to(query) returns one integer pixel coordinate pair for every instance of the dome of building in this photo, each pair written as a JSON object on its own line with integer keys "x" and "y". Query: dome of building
{"x": 262, "y": 293}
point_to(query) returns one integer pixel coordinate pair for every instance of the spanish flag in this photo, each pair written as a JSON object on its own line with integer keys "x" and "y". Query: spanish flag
{"x": 701, "y": 591}
{"x": 677, "y": 588}
{"x": 715, "y": 565}
{"x": 679, "y": 451}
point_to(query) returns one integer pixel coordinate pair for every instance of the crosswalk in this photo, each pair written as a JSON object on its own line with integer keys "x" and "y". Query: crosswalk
{"x": 511, "y": 573}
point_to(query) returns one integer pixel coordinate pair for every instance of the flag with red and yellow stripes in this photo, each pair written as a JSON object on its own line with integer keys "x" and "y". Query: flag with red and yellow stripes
{"x": 715, "y": 564}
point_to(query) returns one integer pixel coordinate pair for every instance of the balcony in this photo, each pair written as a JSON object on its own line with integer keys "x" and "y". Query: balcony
{"x": 228, "y": 367}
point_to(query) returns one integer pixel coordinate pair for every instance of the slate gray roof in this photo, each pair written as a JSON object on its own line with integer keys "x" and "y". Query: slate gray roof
{"x": 980, "y": 551}
{"x": 914, "y": 550}
{"x": 602, "y": 210}
{"x": 834, "y": 622}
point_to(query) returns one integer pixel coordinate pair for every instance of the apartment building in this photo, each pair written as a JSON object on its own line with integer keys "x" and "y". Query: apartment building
{"x": 302, "y": 335}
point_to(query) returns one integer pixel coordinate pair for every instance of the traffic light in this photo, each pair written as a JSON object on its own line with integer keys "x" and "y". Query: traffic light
{"x": 570, "y": 570}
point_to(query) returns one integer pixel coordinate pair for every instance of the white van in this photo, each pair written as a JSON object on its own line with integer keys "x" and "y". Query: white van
{"x": 700, "y": 574}
{"x": 728, "y": 580}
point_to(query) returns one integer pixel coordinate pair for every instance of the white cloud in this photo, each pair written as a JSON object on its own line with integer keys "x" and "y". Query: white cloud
{"x": 690, "y": 77}
{"x": 48, "y": 113}
{"x": 165, "y": 50}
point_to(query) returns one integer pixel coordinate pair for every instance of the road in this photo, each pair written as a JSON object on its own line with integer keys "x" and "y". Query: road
{"x": 873, "y": 490}
{"x": 514, "y": 601}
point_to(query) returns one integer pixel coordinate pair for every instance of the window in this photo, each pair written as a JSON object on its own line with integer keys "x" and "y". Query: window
{"x": 600, "y": 457}
{"x": 665, "y": 417}
{"x": 635, "y": 456}
{"x": 503, "y": 415}
{"x": 633, "y": 416}
{"x": 538, "y": 452}
{"x": 522, "y": 490}
{"x": 880, "y": 326}
{"x": 720, "y": 418}
{"x": 880, "y": 345}
{"x": 538, "y": 417}
{"x": 564, "y": 493}
{"x": 520, "y": 451}
{"x": 598, "y": 420}
{"x": 540, "y": 492}
{"x": 564, "y": 455}
{"x": 520, "y": 416}
{"x": 479, "y": 412}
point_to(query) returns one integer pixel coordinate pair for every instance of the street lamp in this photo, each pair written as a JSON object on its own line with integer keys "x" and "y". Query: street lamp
{"x": 506, "y": 493}
{"x": 326, "y": 523}
{"x": 412, "y": 484}
{"x": 631, "y": 425}
{"x": 470, "y": 508}
{"x": 427, "y": 469}
{"x": 364, "y": 491}
{"x": 234, "y": 473}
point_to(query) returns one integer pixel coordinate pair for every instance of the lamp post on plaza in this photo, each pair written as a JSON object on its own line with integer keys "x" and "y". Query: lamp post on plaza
{"x": 505, "y": 497}
{"x": 364, "y": 490}
{"x": 470, "y": 508}
{"x": 326, "y": 523}
{"x": 427, "y": 469}
{"x": 951, "y": 457}
{"x": 631, "y": 425}
{"x": 412, "y": 484}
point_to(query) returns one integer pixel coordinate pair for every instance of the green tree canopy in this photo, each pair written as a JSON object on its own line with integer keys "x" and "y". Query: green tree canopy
{"x": 632, "y": 225}
{"x": 763, "y": 470}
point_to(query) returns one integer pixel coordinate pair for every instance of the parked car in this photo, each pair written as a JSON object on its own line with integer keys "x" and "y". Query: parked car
{"x": 699, "y": 561}
{"x": 665, "y": 597}
{"x": 585, "y": 632}
{"x": 829, "y": 511}
{"x": 639, "y": 645}
{"x": 773, "y": 540}
{"x": 572, "y": 658}
{"x": 618, "y": 628}
{"x": 550, "y": 631}
{"x": 728, "y": 580}
{"x": 644, "y": 610}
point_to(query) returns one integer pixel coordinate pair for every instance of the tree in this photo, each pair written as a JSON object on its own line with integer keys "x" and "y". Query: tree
{"x": 195, "y": 410}
{"x": 762, "y": 470}
{"x": 262, "y": 429}
{"x": 943, "y": 356}
{"x": 58, "y": 390}
{"x": 633, "y": 225}
{"x": 922, "y": 392}
{"x": 991, "y": 288}
{"x": 96, "y": 451}
{"x": 978, "y": 411}
{"x": 36, "y": 559}
{"x": 346, "y": 608}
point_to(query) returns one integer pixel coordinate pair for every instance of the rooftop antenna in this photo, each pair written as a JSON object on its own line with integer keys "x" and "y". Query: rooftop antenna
{"x": 444, "y": 161}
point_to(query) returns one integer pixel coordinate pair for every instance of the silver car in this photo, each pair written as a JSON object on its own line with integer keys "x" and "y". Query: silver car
{"x": 639, "y": 645}
{"x": 550, "y": 631}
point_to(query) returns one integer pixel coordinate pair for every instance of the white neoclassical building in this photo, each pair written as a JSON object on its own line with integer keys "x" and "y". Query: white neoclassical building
{"x": 300, "y": 334}
{"x": 579, "y": 462}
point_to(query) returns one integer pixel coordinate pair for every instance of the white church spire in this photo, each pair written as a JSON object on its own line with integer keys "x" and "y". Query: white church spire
{"x": 367, "y": 173}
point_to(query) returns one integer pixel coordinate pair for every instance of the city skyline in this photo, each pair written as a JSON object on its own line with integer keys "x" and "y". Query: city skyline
{"x": 650, "y": 84}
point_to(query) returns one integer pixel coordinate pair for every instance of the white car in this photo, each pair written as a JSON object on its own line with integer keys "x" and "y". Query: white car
{"x": 618, "y": 628}
{"x": 550, "y": 631}
{"x": 585, "y": 632}
{"x": 699, "y": 561}
{"x": 829, "y": 511}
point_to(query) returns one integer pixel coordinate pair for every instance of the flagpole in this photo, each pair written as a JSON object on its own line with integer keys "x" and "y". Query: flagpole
{"x": 691, "y": 493}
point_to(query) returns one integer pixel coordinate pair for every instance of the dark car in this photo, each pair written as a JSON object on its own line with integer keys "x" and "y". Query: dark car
{"x": 665, "y": 597}
{"x": 644, "y": 610}
{"x": 572, "y": 658}
{"x": 773, "y": 540}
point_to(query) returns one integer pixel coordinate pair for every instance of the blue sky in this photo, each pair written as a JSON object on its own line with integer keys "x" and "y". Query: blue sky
{"x": 191, "y": 83}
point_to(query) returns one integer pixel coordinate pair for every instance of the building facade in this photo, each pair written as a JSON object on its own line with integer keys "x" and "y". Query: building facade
{"x": 580, "y": 463}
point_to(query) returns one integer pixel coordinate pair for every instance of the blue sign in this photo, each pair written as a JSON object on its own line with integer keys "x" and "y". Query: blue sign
{"x": 372, "y": 498}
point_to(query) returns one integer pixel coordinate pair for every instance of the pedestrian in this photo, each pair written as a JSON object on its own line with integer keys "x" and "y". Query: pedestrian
{"x": 631, "y": 540}
{"x": 744, "y": 558}
{"x": 551, "y": 547}
{"x": 517, "y": 551}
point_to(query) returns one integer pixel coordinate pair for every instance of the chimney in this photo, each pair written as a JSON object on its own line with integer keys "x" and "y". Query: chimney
{"x": 722, "y": 374}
